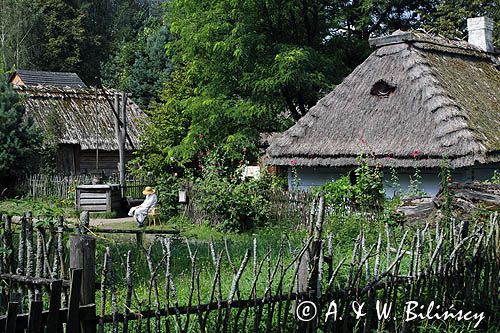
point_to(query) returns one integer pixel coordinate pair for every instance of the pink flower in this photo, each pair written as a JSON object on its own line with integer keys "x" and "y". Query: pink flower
{"x": 415, "y": 153}
{"x": 363, "y": 141}
{"x": 293, "y": 162}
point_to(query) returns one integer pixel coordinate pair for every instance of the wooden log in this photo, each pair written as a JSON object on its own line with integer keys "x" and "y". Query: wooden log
{"x": 31, "y": 281}
{"x": 128, "y": 297}
{"x": 82, "y": 256}
{"x": 7, "y": 243}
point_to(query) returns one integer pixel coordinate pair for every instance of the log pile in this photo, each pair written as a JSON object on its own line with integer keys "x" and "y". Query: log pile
{"x": 466, "y": 199}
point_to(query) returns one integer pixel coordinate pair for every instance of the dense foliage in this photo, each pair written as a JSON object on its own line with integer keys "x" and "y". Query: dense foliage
{"x": 248, "y": 67}
{"x": 63, "y": 35}
{"x": 19, "y": 139}
{"x": 228, "y": 70}
{"x": 141, "y": 66}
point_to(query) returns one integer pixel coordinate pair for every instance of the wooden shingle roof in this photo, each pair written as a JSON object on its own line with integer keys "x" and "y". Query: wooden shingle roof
{"x": 55, "y": 79}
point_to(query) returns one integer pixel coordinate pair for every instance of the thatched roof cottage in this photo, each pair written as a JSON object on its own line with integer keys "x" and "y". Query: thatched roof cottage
{"x": 414, "y": 100}
{"x": 79, "y": 119}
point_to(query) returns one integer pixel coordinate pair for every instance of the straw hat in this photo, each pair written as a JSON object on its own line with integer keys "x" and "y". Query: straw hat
{"x": 148, "y": 190}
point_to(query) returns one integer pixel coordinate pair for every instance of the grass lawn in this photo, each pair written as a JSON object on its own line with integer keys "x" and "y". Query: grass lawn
{"x": 39, "y": 207}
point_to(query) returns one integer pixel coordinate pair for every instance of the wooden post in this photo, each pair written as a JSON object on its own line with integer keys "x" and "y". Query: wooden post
{"x": 121, "y": 135}
{"x": 84, "y": 222}
{"x": 139, "y": 237}
{"x": 82, "y": 256}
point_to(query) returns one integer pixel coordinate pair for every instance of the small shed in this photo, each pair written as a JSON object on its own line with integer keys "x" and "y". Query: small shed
{"x": 98, "y": 198}
{"x": 416, "y": 100}
{"x": 79, "y": 119}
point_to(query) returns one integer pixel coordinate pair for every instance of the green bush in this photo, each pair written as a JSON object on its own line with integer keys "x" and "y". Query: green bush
{"x": 235, "y": 203}
{"x": 167, "y": 189}
{"x": 363, "y": 190}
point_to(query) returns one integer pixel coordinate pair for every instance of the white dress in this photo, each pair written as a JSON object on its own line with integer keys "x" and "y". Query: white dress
{"x": 140, "y": 212}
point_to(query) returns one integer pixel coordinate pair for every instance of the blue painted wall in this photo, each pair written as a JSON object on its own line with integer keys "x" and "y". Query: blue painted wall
{"x": 306, "y": 177}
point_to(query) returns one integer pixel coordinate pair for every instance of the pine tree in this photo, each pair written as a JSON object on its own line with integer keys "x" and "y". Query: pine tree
{"x": 19, "y": 139}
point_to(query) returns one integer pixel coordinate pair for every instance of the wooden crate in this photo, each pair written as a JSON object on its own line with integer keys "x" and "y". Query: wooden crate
{"x": 98, "y": 198}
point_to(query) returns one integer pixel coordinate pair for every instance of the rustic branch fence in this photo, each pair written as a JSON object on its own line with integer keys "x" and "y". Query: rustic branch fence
{"x": 64, "y": 187}
{"x": 456, "y": 264}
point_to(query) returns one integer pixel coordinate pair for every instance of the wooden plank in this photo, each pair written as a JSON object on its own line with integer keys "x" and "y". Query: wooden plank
{"x": 35, "y": 317}
{"x": 93, "y": 208}
{"x": 73, "y": 322}
{"x": 54, "y": 305}
{"x": 95, "y": 187}
{"x": 93, "y": 201}
{"x": 135, "y": 231}
{"x": 10, "y": 326}
{"x": 97, "y": 195}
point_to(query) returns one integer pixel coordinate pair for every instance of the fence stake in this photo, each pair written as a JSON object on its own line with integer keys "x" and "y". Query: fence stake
{"x": 35, "y": 317}
{"x": 73, "y": 323}
{"x": 82, "y": 256}
{"x": 53, "y": 324}
{"x": 10, "y": 326}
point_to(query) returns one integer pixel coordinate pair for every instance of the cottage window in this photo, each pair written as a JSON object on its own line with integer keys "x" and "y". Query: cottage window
{"x": 382, "y": 89}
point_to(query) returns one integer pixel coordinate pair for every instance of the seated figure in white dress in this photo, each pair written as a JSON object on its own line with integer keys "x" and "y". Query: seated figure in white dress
{"x": 141, "y": 212}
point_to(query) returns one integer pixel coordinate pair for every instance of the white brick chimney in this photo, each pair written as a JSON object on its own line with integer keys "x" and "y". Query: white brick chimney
{"x": 481, "y": 32}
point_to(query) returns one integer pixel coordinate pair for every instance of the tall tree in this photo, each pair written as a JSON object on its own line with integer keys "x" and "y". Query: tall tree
{"x": 449, "y": 17}
{"x": 141, "y": 66}
{"x": 248, "y": 66}
{"x": 62, "y": 34}
{"x": 97, "y": 43}
{"x": 18, "y": 30}
{"x": 19, "y": 139}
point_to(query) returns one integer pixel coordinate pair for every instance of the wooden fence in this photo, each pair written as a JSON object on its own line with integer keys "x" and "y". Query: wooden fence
{"x": 292, "y": 206}
{"x": 43, "y": 186}
{"x": 64, "y": 187}
{"x": 456, "y": 264}
{"x": 51, "y": 320}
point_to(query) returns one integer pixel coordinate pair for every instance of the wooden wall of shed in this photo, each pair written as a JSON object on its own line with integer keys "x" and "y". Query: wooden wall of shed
{"x": 108, "y": 161}
{"x": 68, "y": 159}
{"x": 16, "y": 80}
{"x": 71, "y": 160}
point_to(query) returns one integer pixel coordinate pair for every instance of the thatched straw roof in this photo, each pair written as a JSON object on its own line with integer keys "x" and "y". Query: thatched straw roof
{"x": 80, "y": 116}
{"x": 414, "y": 100}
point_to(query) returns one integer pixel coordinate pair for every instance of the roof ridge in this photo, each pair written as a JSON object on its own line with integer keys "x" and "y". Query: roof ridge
{"x": 443, "y": 43}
